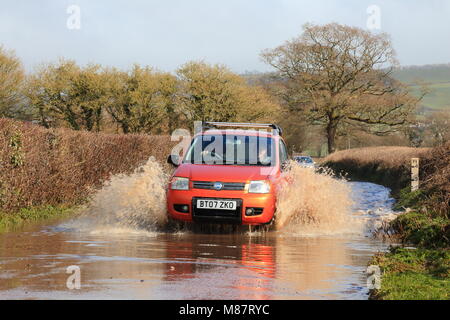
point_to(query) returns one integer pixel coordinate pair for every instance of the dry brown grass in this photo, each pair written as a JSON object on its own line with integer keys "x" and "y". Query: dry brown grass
{"x": 391, "y": 166}
{"x": 61, "y": 166}
{"x": 386, "y": 157}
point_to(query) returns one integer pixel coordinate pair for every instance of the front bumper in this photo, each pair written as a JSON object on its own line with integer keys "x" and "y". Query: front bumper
{"x": 245, "y": 200}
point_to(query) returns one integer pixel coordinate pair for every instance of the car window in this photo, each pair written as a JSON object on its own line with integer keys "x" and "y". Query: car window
{"x": 283, "y": 152}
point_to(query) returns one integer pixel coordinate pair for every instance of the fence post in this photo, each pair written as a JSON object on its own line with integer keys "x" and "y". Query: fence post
{"x": 414, "y": 174}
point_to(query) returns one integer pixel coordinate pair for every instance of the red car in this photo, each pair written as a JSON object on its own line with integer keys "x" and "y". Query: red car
{"x": 228, "y": 175}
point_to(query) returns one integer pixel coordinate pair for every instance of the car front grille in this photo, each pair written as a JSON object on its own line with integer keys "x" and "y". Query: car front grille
{"x": 238, "y": 186}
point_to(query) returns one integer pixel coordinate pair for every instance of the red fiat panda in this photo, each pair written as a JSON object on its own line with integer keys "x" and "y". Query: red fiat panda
{"x": 228, "y": 175}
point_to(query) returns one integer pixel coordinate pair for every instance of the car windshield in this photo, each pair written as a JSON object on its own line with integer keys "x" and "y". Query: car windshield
{"x": 229, "y": 149}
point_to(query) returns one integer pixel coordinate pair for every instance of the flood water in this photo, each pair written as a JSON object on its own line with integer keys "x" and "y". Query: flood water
{"x": 115, "y": 264}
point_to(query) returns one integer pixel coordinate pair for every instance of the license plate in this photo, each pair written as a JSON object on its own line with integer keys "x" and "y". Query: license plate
{"x": 216, "y": 204}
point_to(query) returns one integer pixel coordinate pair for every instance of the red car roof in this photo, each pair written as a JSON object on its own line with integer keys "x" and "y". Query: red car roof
{"x": 261, "y": 133}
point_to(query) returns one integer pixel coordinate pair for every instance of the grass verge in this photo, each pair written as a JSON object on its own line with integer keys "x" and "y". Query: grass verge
{"x": 422, "y": 273}
{"x": 11, "y": 221}
{"x": 413, "y": 274}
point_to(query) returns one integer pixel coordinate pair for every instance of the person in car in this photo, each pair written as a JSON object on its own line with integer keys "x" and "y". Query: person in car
{"x": 263, "y": 157}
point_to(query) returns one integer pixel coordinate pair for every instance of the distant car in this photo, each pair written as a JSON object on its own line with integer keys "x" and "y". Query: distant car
{"x": 305, "y": 161}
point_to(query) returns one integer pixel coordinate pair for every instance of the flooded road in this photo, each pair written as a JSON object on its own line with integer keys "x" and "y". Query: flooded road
{"x": 126, "y": 264}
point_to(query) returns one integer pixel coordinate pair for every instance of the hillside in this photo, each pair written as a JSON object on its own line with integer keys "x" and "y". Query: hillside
{"x": 437, "y": 79}
{"x": 437, "y": 73}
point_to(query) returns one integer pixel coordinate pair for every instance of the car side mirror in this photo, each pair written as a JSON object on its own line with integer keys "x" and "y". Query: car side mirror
{"x": 174, "y": 160}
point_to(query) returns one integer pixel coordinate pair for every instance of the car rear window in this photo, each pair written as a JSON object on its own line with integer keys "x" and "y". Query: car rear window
{"x": 304, "y": 160}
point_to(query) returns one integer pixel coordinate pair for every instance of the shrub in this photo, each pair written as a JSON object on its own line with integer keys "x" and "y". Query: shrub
{"x": 435, "y": 176}
{"x": 389, "y": 166}
{"x": 41, "y": 166}
{"x": 423, "y": 229}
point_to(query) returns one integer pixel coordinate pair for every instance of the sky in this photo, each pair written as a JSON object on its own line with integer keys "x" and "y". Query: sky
{"x": 168, "y": 33}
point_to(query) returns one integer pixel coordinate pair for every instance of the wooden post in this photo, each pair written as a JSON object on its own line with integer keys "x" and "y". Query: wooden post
{"x": 414, "y": 174}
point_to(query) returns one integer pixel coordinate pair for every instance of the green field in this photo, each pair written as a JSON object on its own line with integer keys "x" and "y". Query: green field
{"x": 438, "y": 97}
{"x": 437, "y": 80}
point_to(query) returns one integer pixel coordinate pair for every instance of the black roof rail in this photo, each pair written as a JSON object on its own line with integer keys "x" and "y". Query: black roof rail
{"x": 213, "y": 124}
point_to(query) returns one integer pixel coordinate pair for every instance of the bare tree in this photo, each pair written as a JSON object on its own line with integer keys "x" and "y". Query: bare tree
{"x": 338, "y": 76}
{"x": 438, "y": 127}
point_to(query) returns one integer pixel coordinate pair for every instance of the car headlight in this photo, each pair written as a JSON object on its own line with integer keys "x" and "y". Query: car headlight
{"x": 179, "y": 183}
{"x": 260, "y": 186}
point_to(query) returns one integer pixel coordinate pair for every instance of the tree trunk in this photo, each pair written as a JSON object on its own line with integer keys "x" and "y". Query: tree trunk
{"x": 331, "y": 135}
{"x": 172, "y": 117}
{"x": 125, "y": 127}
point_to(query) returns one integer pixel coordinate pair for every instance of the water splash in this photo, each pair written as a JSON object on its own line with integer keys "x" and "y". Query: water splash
{"x": 312, "y": 203}
{"x": 308, "y": 204}
{"x": 128, "y": 203}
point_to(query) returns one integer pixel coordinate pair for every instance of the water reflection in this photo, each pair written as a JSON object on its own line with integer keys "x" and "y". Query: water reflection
{"x": 183, "y": 266}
